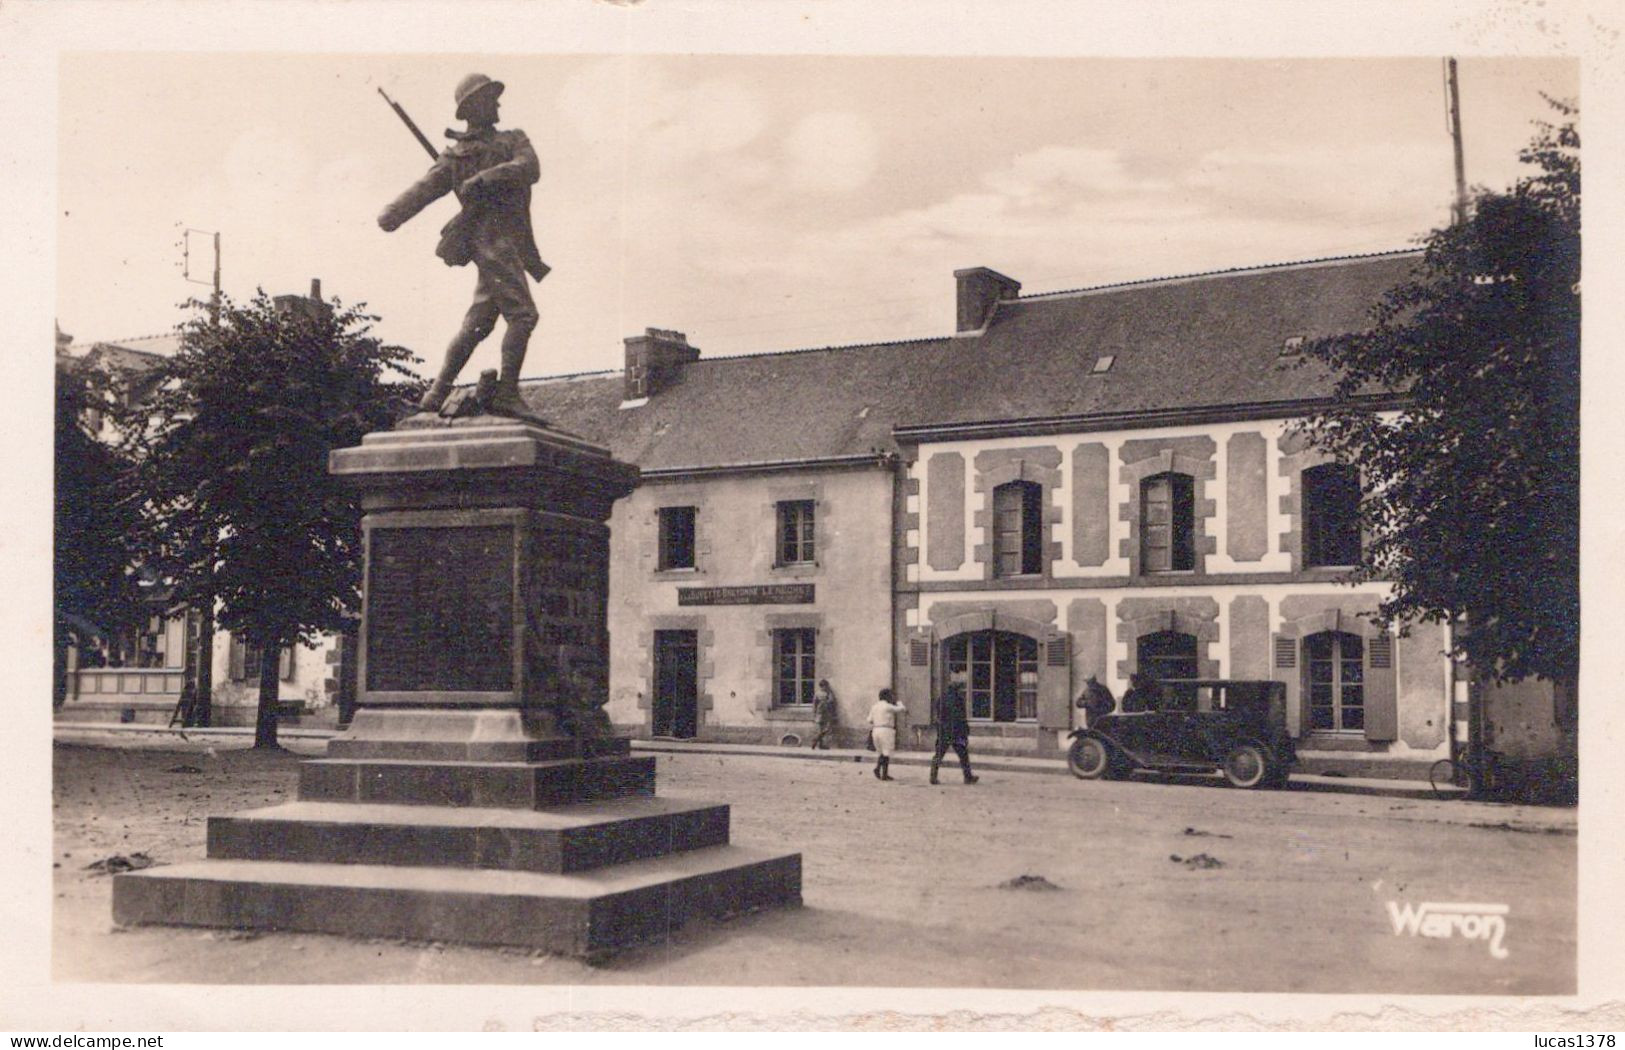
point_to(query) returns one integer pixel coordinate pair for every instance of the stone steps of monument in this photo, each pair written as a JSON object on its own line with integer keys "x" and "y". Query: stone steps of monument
{"x": 567, "y": 839}
{"x": 507, "y": 785}
{"x": 583, "y": 914}
{"x": 555, "y": 749}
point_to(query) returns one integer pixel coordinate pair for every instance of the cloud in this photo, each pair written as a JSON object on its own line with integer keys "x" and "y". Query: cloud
{"x": 1068, "y": 170}
{"x": 830, "y": 152}
{"x": 664, "y": 122}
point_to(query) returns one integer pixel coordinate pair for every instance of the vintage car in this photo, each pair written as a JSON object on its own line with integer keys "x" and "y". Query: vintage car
{"x": 1195, "y": 725}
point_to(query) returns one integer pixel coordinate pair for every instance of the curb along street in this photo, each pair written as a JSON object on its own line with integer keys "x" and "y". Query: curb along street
{"x": 112, "y": 734}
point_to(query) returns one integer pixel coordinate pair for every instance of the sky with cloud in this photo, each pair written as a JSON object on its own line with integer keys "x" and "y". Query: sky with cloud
{"x": 755, "y": 202}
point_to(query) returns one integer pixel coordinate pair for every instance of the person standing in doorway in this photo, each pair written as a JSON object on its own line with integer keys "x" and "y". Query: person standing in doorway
{"x": 953, "y": 730}
{"x": 883, "y": 721}
{"x": 823, "y": 714}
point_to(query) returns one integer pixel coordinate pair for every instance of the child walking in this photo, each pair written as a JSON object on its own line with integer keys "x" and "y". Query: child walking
{"x": 883, "y": 719}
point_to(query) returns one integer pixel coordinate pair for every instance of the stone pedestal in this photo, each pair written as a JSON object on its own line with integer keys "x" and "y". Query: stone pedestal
{"x": 478, "y": 795}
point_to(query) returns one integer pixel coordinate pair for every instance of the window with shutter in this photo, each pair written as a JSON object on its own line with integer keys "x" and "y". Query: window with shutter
{"x": 1167, "y": 523}
{"x": 1335, "y": 669}
{"x": 1018, "y": 529}
{"x": 1286, "y": 653}
{"x": 1000, "y": 672}
{"x": 1331, "y": 516}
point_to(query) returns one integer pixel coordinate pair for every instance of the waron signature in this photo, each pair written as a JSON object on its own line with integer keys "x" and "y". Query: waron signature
{"x": 1474, "y": 922}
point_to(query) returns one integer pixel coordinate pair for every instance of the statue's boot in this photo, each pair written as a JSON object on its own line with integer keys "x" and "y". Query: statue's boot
{"x": 457, "y": 355}
{"x": 505, "y": 401}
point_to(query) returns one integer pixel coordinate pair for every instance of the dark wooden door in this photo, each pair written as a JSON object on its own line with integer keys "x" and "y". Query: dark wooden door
{"x": 676, "y": 699}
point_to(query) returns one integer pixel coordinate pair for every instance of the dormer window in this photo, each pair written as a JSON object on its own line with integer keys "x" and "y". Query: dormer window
{"x": 1293, "y": 347}
{"x": 1103, "y": 364}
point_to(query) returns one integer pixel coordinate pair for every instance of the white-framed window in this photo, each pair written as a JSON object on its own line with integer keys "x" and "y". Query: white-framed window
{"x": 1000, "y": 673}
{"x": 796, "y": 521}
{"x": 795, "y": 666}
{"x": 1334, "y": 668}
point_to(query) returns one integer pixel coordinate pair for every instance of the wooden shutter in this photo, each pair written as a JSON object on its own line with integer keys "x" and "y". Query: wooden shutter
{"x": 285, "y": 665}
{"x": 1156, "y": 551}
{"x": 1381, "y": 691}
{"x": 914, "y": 677}
{"x": 1055, "y": 682}
{"x": 1284, "y": 668}
{"x": 237, "y": 670}
{"x": 1007, "y": 529}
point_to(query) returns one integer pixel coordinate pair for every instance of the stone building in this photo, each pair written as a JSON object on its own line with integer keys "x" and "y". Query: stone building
{"x": 1093, "y": 482}
{"x": 754, "y": 558}
{"x": 136, "y": 675}
{"x": 1123, "y": 491}
{"x": 1073, "y": 484}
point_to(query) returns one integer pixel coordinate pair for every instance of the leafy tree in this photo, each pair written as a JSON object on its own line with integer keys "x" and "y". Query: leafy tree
{"x": 233, "y": 467}
{"x": 94, "y": 590}
{"x": 1471, "y": 496}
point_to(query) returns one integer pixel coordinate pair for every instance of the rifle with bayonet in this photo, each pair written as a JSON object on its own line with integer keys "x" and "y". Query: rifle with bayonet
{"x": 434, "y": 154}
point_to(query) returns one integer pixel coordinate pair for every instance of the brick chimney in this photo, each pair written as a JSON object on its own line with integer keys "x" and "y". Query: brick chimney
{"x": 653, "y": 361}
{"x": 980, "y": 289}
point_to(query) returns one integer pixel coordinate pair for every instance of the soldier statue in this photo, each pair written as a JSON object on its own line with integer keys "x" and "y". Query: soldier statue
{"x": 491, "y": 173}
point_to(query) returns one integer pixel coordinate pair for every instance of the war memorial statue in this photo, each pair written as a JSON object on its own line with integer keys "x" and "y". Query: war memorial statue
{"x": 480, "y": 794}
{"x": 490, "y": 172}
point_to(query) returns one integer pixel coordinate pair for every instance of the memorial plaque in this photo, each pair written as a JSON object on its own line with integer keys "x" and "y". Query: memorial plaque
{"x": 568, "y": 576}
{"x": 440, "y": 610}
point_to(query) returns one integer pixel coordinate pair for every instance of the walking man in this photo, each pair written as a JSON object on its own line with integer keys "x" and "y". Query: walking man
{"x": 883, "y": 719}
{"x": 491, "y": 173}
{"x": 953, "y": 730}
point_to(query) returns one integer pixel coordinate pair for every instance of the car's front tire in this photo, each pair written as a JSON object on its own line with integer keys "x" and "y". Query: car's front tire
{"x": 1089, "y": 758}
{"x": 1248, "y": 766}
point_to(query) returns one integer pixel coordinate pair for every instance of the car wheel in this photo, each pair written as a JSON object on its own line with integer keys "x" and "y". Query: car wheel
{"x": 1247, "y": 766}
{"x": 1088, "y": 758}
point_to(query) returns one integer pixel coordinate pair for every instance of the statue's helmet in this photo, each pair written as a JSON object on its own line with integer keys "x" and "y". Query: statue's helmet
{"x": 471, "y": 86}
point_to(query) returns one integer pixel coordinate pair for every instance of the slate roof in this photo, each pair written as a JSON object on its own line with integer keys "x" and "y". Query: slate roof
{"x": 139, "y": 354}
{"x": 1185, "y": 343}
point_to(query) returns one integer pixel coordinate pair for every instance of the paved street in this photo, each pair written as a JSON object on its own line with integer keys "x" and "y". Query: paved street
{"x": 1273, "y": 891}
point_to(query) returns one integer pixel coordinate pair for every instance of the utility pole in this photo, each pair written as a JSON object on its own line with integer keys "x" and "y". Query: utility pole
{"x": 203, "y": 660}
{"x": 1453, "y": 119}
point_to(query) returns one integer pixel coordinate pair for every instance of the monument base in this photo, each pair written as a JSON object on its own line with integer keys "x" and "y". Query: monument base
{"x": 475, "y": 797}
{"x": 412, "y": 836}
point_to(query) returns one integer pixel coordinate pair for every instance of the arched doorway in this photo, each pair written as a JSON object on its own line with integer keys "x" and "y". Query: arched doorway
{"x": 1000, "y": 672}
{"x": 1166, "y": 654}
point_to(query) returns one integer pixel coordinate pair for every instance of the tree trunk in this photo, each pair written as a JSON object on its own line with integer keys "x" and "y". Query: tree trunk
{"x": 265, "y": 718}
{"x": 203, "y": 705}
